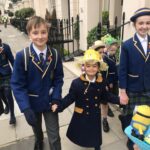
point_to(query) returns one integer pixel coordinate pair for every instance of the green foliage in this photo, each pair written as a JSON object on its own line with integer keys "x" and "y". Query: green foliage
{"x": 76, "y": 29}
{"x": 117, "y": 54}
{"x": 91, "y": 38}
{"x": 24, "y": 13}
{"x": 14, "y": 1}
{"x": 17, "y": 14}
{"x": 10, "y": 14}
{"x": 105, "y": 17}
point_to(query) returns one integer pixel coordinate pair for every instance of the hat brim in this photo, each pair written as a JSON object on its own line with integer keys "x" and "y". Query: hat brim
{"x": 97, "y": 46}
{"x": 134, "y": 17}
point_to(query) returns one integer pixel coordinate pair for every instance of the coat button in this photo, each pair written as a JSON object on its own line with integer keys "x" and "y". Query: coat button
{"x": 87, "y": 99}
{"x": 85, "y": 83}
{"x": 87, "y": 113}
{"x": 95, "y": 97}
{"x": 96, "y": 105}
{"x": 98, "y": 89}
{"x": 87, "y": 106}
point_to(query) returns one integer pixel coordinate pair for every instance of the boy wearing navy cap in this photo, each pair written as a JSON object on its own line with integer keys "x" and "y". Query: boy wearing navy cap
{"x": 134, "y": 70}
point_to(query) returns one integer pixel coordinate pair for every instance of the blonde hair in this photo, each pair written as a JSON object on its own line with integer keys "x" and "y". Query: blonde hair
{"x": 35, "y": 22}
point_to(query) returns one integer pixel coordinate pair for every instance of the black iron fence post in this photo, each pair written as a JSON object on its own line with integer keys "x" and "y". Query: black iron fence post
{"x": 123, "y": 21}
{"x": 108, "y": 26}
{"x": 99, "y": 30}
{"x": 78, "y": 24}
{"x": 62, "y": 38}
{"x": 73, "y": 34}
{"x": 116, "y": 21}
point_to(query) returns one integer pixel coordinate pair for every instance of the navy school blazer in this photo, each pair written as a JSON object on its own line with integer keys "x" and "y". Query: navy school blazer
{"x": 134, "y": 69}
{"x": 6, "y": 56}
{"x": 37, "y": 87}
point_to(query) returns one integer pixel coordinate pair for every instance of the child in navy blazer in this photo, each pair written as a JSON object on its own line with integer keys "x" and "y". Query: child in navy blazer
{"x": 6, "y": 65}
{"x": 37, "y": 81}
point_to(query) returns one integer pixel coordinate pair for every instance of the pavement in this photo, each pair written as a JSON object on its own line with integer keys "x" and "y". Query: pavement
{"x": 20, "y": 137}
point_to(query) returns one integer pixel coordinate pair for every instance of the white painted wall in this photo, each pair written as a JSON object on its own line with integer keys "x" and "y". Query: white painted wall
{"x": 74, "y": 8}
{"x": 59, "y": 9}
{"x": 62, "y": 9}
{"x": 115, "y": 9}
{"x": 26, "y": 3}
{"x": 40, "y": 7}
{"x": 31, "y": 3}
{"x": 89, "y": 11}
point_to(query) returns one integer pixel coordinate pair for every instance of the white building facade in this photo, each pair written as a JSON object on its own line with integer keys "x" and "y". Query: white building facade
{"x": 89, "y": 11}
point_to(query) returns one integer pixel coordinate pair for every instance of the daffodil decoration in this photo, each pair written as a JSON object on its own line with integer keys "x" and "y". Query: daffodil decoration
{"x": 103, "y": 66}
{"x": 108, "y": 39}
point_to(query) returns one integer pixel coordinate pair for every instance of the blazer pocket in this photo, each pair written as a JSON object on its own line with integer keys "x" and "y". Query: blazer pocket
{"x": 78, "y": 110}
{"x": 5, "y": 65}
{"x": 33, "y": 95}
{"x": 133, "y": 75}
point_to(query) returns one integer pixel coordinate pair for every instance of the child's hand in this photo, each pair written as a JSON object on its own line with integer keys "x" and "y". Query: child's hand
{"x": 135, "y": 147}
{"x": 110, "y": 85}
{"x": 123, "y": 98}
{"x": 54, "y": 107}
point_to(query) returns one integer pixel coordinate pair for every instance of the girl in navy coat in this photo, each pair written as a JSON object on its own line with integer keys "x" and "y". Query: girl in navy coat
{"x": 87, "y": 91}
{"x": 134, "y": 69}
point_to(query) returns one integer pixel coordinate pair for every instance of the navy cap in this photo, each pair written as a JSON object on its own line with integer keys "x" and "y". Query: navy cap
{"x": 140, "y": 12}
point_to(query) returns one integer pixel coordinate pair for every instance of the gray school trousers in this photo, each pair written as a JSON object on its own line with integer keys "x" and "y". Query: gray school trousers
{"x": 52, "y": 127}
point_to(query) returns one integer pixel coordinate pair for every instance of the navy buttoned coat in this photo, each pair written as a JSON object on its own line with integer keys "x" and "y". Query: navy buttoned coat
{"x": 85, "y": 126}
{"x": 134, "y": 69}
{"x": 112, "y": 76}
{"x": 37, "y": 87}
{"x": 6, "y": 57}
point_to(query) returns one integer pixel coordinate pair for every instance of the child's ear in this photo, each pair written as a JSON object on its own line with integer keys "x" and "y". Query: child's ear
{"x": 29, "y": 36}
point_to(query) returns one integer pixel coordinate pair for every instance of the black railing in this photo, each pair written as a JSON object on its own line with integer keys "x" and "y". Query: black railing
{"x": 64, "y": 36}
{"x": 115, "y": 31}
{"x": 19, "y": 23}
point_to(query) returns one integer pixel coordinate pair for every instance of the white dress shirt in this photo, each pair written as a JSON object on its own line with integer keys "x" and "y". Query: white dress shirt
{"x": 39, "y": 51}
{"x": 144, "y": 42}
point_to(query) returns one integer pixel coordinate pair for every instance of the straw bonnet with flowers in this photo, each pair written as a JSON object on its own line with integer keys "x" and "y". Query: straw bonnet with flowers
{"x": 93, "y": 56}
{"x": 109, "y": 40}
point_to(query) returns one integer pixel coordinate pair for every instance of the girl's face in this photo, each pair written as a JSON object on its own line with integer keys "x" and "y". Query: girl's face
{"x": 101, "y": 51}
{"x": 91, "y": 69}
{"x": 39, "y": 36}
{"x": 112, "y": 49}
{"x": 142, "y": 25}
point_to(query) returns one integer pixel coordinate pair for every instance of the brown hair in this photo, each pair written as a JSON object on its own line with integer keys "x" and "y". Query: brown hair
{"x": 35, "y": 22}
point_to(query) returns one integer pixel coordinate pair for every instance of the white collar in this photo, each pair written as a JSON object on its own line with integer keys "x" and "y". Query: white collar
{"x": 39, "y": 51}
{"x": 94, "y": 79}
{"x": 141, "y": 39}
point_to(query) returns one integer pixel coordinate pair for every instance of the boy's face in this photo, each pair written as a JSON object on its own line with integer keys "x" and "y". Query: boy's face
{"x": 91, "y": 69}
{"x": 39, "y": 36}
{"x": 142, "y": 25}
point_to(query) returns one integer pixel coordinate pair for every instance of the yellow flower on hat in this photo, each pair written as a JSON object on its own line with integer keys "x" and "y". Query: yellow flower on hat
{"x": 91, "y": 54}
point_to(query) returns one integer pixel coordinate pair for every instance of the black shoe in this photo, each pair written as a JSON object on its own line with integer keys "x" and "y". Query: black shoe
{"x": 38, "y": 146}
{"x": 12, "y": 120}
{"x": 6, "y": 110}
{"x": 130, "y": 145}
{"x": 110, "y": 113}
{"x": 105, "y": 125}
